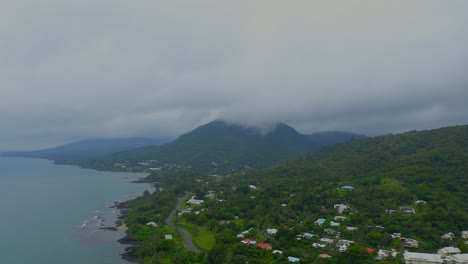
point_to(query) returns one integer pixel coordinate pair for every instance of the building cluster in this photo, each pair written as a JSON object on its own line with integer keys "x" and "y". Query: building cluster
{"x": 449, "y": 255}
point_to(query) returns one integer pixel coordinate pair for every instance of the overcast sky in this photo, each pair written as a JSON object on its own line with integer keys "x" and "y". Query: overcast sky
{"x": 72, "y": 70}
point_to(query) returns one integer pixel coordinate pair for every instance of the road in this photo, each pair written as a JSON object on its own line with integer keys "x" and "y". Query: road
{"x": 187, "y": 238}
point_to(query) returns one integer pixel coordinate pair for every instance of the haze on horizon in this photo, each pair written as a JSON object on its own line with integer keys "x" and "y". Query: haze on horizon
{"x": 72, "y": 70}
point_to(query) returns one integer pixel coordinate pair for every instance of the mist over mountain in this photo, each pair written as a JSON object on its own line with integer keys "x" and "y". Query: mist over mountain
{"x": 223, "y": 144}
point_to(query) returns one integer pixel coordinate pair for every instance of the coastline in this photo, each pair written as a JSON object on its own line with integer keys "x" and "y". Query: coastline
{"x": 130, "y": 253}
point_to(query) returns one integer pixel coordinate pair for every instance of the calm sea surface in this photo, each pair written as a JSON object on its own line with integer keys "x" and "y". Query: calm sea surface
{"x": 53, "y": 213}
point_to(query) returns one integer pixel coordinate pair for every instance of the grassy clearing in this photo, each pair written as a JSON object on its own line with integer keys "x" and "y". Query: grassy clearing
{"x": 202, "y": 238}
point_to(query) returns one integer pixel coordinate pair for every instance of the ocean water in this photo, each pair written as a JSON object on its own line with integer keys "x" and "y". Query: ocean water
{"x": 54, "y": 213}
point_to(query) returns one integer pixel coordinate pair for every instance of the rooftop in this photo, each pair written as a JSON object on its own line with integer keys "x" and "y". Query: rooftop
{"x": 450, "y": 250}
{"x": 459, "y": 258}
{"x": 422, "y": 257}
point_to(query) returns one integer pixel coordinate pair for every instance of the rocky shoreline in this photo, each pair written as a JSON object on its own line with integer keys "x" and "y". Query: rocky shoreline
{"x": 130, "y": 253}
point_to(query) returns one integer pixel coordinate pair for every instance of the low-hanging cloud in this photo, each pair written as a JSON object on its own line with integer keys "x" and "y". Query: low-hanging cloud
{"x": 78, "y": 69}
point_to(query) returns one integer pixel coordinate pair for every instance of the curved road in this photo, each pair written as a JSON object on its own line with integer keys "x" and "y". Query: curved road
{"x": 187, "y": 239}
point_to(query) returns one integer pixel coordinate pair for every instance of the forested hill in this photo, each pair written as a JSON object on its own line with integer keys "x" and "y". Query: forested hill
{"x": 225, "y": 145}
{"x": 86, "y": 149}
{"x": 387, "y": 172}
{"x": 430, "y": 164}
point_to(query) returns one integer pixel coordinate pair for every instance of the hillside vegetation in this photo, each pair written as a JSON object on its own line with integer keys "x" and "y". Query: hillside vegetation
{"x": 386, "y": 172}
{"x": 221, "y": 146}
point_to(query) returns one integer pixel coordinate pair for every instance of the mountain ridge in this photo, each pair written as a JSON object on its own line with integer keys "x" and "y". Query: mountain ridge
{"x": 232, "y": 144}
{"x": 84, "y": 149}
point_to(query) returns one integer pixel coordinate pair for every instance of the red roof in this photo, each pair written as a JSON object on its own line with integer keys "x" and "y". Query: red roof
{"x": 370, "y": 250}
{"x": 264, "y": 245}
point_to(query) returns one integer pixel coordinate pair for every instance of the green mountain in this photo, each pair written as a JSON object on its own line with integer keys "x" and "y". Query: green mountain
{"x": 85, "y": 149}
{"x": 219, "y": 145}
{"x": 422, "y": 172}
{"x": 386, "y": 172}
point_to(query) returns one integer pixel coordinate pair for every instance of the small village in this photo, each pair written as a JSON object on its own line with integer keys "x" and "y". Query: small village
{"x": 329, "y": 237}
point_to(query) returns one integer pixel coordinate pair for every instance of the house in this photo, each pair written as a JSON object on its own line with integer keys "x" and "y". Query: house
{"x": 340, "y": 207}
{"x": 283, "y": 205}
{"x": 308, "y": 235}
{"x": 324, "y": 256}
{"x": 326, "y": 240}
{"x": 277, "y": 252}
{"x": 253, "y": 187}
{"x": 448, "y": 236}
{"x": 340, "y": 218}
{"x": 370, "y": 250}
{"x": 211, "y": 194}
{"x": 152, "y": 224}
{"x": 421, "y": 258}
{"x": 320, "y": 221}
{"x": 387, "y": 253}
{"x": 407, "y": 209}
{"x": 192, "y": 200}
{"x": 332, "y": 223}
{"x": 248, "y": 241}
{"x": 293, "y": 259}
{"x": 318, "y": 245}
{"x": 409, "y": 242}
{"x": 390, "y": 211}
{"x": 264, "y": 246}
{"x": 464, "y": 234}
{"x": 351, "y": 228}
{"x": 329, "y": 231}
{"x": 396, "y": 235}
{"x": 272, "y": 231}
{"x": 347, "y": 187}
{"x": 168, "y": 237}
{"x": 420, "y": 202}
{"x": 341, "y": 246}
{"x": 447, "y": 251}
{"x": 458, "y": 259}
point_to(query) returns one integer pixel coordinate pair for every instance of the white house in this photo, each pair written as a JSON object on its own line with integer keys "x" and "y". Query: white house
{"x": 447, "y": 251}
{"x": 152, "y": 224}
{"x": 326, "y": 240}
{"x": 341, "y": 207}
{"x": 420, "y": 202}
{"x": 458, "y": 259}
{"x": 464, "y": 234}
{"x": 317, "y": 245}
{"x": 421, "y": 258}
{"x": 448, "y": 236}
{"x": 386, "y": 253}
{"x": 272, "y": 231}
{"x": 192, "y": 200}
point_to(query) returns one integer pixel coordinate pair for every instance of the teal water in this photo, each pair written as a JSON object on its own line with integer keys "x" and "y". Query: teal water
{"x": 53, "y": 213}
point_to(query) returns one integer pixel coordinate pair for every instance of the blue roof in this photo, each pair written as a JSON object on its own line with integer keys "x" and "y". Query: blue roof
{"x": 293, "y": 259}
{"x": 347, "y": 187}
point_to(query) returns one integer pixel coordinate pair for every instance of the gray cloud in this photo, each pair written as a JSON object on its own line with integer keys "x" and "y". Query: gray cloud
{"x": 77, "y": 69}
